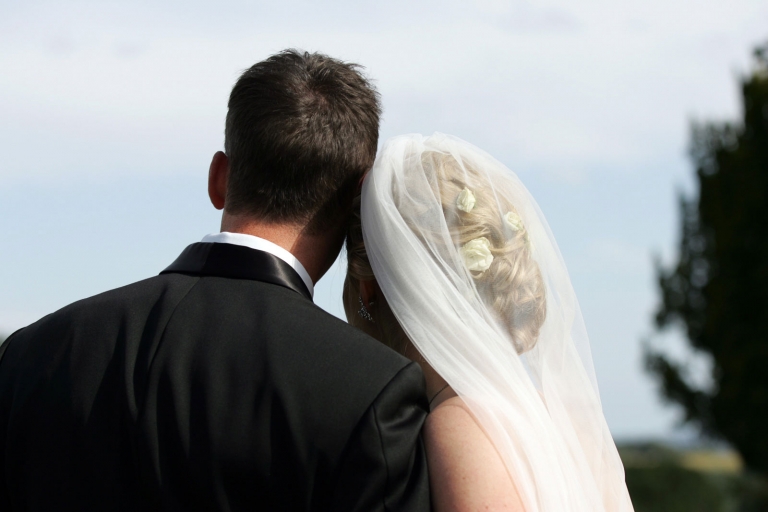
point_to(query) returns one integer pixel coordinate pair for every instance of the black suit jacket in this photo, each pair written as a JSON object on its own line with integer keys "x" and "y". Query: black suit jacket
{"x": 217, "y": 385}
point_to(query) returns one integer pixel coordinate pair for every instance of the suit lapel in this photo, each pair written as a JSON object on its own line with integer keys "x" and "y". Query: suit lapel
{"x": 237, "y": 262}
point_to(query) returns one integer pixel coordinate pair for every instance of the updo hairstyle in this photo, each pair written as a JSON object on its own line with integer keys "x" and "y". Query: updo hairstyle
{"x": 512, "y": 286}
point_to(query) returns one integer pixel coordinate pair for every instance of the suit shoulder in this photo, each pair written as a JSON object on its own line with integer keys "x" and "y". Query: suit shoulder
{"x": 325, "y": 331}
{"x": 324, "y": 353}
{"x": 143, "y": 290}
{"x": 131, "y": 299}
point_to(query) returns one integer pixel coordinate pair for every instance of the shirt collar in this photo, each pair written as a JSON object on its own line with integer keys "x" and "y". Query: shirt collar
{"x": 260, "y": 244}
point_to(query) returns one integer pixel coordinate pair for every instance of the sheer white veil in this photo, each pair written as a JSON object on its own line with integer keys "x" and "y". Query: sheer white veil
{"x": 521, "y": 361}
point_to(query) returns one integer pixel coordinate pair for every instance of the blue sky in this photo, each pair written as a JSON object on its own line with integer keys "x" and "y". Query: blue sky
{"x": 110, "y": 112}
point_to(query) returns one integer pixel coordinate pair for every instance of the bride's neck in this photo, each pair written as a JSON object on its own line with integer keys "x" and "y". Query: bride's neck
{"x": 438, "y": 390}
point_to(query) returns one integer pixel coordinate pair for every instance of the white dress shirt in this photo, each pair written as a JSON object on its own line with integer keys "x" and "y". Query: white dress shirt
{"x": 260, "y": 244}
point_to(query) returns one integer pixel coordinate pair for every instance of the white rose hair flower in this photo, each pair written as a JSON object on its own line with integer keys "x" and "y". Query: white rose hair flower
{"x": 477, "y": 254}
{"x": 514, "y": 221}
{"x": 466, "y": 200}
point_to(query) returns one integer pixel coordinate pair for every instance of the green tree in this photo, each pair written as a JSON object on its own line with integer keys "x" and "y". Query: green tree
{"x": 657, "y": 482}
{"x": 718, "y": 290}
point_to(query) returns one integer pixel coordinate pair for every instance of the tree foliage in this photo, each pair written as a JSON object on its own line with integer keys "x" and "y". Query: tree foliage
{"x": 718, "y": 289}
{"x": 659, "y": 480}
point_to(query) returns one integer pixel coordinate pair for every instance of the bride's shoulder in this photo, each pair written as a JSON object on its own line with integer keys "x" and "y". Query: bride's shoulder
{"x": 465, "y": 470}
{"x": 452, "y": 432}
{"x": 450, "y": 415}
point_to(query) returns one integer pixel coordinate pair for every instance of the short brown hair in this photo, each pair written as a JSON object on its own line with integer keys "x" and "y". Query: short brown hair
{"x": 302, "y": 129}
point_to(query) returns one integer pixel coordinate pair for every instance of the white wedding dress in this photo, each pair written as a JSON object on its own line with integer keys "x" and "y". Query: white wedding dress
{"x": 537, "y": 401}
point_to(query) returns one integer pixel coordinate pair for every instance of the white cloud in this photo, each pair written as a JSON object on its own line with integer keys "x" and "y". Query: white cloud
{"x": 144, "y": 85}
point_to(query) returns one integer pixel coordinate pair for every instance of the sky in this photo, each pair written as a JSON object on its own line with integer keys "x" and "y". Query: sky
{"x": 111, "y": 111}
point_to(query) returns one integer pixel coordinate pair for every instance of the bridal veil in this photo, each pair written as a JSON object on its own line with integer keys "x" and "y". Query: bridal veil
{"x": 472, "y": 273}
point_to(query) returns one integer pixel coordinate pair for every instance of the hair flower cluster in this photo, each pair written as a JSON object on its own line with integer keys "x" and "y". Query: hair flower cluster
{"x": 514, "y": 221}
{"x": 477, "y": 254}
{"x": 466, "y": 200}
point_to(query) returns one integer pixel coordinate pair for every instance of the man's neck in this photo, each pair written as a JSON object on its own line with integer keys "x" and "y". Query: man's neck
{"x": 315, "y": 252}
{"x": 284, "y": 235}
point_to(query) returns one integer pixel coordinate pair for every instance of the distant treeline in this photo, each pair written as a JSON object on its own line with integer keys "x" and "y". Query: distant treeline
{"x": 664, "y": 479}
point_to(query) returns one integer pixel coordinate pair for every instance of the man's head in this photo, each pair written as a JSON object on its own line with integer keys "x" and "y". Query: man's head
{"x": 302, "y": 129}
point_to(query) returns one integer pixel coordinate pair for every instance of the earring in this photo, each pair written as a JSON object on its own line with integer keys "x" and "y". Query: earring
{"x": 363, "y": 311}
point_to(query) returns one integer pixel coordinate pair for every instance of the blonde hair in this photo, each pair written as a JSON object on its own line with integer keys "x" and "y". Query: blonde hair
{"x": 512, "y": 287}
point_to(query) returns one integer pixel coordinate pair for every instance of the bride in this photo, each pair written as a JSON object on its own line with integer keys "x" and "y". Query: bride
{"x": 452, "y": 263}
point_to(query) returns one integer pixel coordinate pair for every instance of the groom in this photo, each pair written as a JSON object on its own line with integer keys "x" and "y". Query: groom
{"x": 219, "y": 385}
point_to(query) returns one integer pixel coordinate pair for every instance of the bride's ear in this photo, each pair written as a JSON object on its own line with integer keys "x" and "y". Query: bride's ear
{"x": 369, "y": 291}
{"x": 218, "y": 174}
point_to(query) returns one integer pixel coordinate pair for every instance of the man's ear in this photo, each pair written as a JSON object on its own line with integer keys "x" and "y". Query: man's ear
{"x": 218, "y": 174}
{"x": 368, "y": 291}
